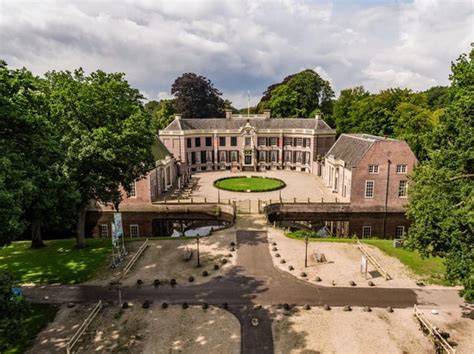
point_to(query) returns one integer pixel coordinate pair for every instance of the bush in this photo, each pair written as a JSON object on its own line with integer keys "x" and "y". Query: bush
{"x": 303, "y": 234}
{"x": 164, "y": 305}
{"x": 191, "y": 279}
{"x": 216, "y": 266}
{"x": 156, "y": 282}
{"x": 205, "y": 273}
{"x": 205, "y": 306}
{"x": 185, "y": 305}
{"x": 13, "y": 310}
{"x": 224, "y": 261}
{"x": 173, "y": 281}
{"x": 139, "y": 282}
{"x": 146, "y": 304}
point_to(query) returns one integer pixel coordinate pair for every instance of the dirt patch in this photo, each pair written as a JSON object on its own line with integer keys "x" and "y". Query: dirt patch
{"x": 337, "y": 331}
{"x": 138, "y": 330}
{"x": 164, "y": 260}
{"x": 342, "y": 266}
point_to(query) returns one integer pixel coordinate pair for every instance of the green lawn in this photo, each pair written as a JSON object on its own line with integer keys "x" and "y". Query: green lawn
{"x": 431, "y": 269}
{"x": 58, "y": 262}
{"x": 39, "y": 316}
{"x": 254, "y": 184}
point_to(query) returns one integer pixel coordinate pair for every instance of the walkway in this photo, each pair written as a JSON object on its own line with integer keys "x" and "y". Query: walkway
{"x": 253, "y": 281}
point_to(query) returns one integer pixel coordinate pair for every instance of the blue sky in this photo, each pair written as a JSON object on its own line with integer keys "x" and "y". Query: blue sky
{"x": 241, "y": 45}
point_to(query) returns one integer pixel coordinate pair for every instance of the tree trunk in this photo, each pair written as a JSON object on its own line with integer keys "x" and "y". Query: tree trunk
{"x": 36, "y": 238}
{"x": 80, "y": 228}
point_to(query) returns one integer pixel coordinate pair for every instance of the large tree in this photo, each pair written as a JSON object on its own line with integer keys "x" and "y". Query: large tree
{"x": 105, "y": 134}
{"x": 299, "y": 95}
{"x": 162, "y": 112}
{"x": 196, "y": 97}
{"x": 34, "y": 190}
{"x": 343, "y": 107}
{"x": 442, "y": 197}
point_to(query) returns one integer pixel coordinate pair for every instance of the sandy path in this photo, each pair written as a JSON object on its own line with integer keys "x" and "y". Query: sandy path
{"x": 163, "y": 260}
{"x": 343, "y": 263}
{"x": 337, "y": 331}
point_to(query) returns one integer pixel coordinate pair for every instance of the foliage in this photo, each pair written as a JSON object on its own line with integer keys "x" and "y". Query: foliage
{"x": 254, "y": 184}
{"x": 161, "y": 113}
{"x": 343, "y": 107}
{"x": 33, "y": 185}
{"x": 59, "y": 262}
{"x": 12, "y": 309}
{"x": 442, "y": 197}
{"x": 299, "y": 95}
{"x": 105, "y": 134}
{"x": 196, "y": 97}
{"x": 38, "y": 316}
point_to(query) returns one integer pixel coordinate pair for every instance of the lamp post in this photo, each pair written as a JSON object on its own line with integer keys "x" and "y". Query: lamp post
{"x": 280, "y": 195}
{"x": 306, "y": 251}
{"x": 218, "y": 196}
{"x": 197, "y": 242}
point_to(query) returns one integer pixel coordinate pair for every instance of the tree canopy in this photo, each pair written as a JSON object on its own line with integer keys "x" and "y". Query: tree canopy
{"x": 299, "y": 95}
{"x": 441, "y": 204}
{"x": 196, "y": 97}
{"x": 161, "y": 113}
{"x": 105, "y": 134}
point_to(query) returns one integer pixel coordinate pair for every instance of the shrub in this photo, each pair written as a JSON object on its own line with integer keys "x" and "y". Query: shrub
{"x": 164, "y": 305}
{"x": 139, "y": 282}
{"x": 216, "y": 266}
{"x": 205, "y": 306}
{"x": 185, "y": 305}
{"x": 173, "y": 281}
{"x": 191, "y": 279}
{"x": 282, "y": 261}
{"x": 291, "y": 267}
{"x": 225, "y": 305}
{"x": 156, "y": 282}
{"x": 318, "y": 279}
{"x": 224, "y": 261}
{"x": 205, "y": 273}
{"x": 232, "y": 244}
{"x": 146, "y": 304}
{"x": 125, "y": 305}
{"x": 277, "y": 255}
{"x": 303, "y": 274}
{"x": 286, "y": 306}
{"x": 274, "y": 249}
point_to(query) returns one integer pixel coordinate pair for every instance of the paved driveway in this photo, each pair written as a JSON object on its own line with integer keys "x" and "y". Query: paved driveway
{"x": 299, "y": 185}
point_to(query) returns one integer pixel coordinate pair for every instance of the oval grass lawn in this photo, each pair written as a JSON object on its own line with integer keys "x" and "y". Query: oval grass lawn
{"x": 252, "y": 184}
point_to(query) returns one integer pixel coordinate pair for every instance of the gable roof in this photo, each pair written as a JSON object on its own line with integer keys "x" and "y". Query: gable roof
{"x": 159, "y": 150}
{"x": 235, "y": 124}
{"x": 350, "y": 148}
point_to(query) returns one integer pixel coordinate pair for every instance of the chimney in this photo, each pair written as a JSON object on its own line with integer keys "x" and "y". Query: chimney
{"x": 267, "y": 113}
{"x": 177, "y": 116}
{"x": 228, "y": 114}
{"x": 318, "y": 115}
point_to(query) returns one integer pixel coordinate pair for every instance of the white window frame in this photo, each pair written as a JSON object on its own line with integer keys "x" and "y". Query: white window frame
{"x": 133, "y": 190}
{"x": 373, "y": 169}
{"x": 373, "y": 189}
{"x": 101, "y": 228}
{"x": 364, "y": 228}
{"x": 132, "y": 226}
{"x": 397, "y": 233}
{"x": 401, "y": 169}
{"x": 405, "y": 189}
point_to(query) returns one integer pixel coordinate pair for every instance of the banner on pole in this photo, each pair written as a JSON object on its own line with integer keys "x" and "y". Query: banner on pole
{"x": 363, "y": 264}
{"x": 117, "y": 229}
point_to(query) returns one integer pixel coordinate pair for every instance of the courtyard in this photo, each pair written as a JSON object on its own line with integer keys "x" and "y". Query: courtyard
{"x": 299, "y": 185}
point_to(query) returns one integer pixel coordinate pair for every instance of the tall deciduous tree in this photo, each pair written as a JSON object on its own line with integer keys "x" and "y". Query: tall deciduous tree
{"x": 196, "y": 97}
{"x": 442, "y": 198}
{"x": 343, "y": 107}
{"x": 301, "y": 95}
{"x": 162, "y": 112}
{"x": 105, "y": 134}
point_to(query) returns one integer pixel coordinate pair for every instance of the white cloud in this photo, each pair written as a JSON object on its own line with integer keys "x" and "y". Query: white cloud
{"x": 240, "y": 45}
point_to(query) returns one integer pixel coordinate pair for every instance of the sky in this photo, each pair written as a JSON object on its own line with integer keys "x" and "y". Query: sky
{"x": 241, "y": 45}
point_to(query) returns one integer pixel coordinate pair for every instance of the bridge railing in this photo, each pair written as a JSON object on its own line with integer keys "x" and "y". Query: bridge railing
{"x": 433, "y": 331}
{"x": 82, "y": 328}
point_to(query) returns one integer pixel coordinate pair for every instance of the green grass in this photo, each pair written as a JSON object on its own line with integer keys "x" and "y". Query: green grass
{"x": 431, "y": 270}
{"x": 58, "y": 262}
{"x": 254, "y": 184}
{"x": 37, "y": 319}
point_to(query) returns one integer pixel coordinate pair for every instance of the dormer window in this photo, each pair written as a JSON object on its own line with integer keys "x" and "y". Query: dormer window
{"x": 401, "y": 169}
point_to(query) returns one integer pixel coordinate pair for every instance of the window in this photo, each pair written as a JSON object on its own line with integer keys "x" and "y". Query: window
{"x": 399, "y": 231}
{"x": 402, "y": 189}
{"x": 193, "y": 158}
{"x": 287, "y": 156}
{"x": 261, "y": 141}
{"x": 299, "y": 141}
{"x": 234, "y": 156}
{"x": 208, "y": 141}
{"x": 248, "y": 141}
{"x": 203, "y": 156}
{"x": 133, "y": 190}
{"x": 373, "y": 168}
{"x": 306, "y": 142}
{"x": 288, "y": 141}
{"x": 298, "y": 156}
{"x": 188, "y": 142}
{"x": 209, "y": 156}
{"x": 222, "y": 141}
{"x": 134, "y": 231}
{"x": 261, "y": 156}
{"x": 222, "y": 156}
{"x": 273, "y": 141}
{"x": 274, "y": 155}
{"x": 366, "y": 231}
{"x": 233, "y": 141}
{"x": 104, "y": 230}
{"x": 401, "y": 168}
{"x": 306, "y": 158}
{"x": 197, "y": 142}
{"x": 369, "y": 189}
